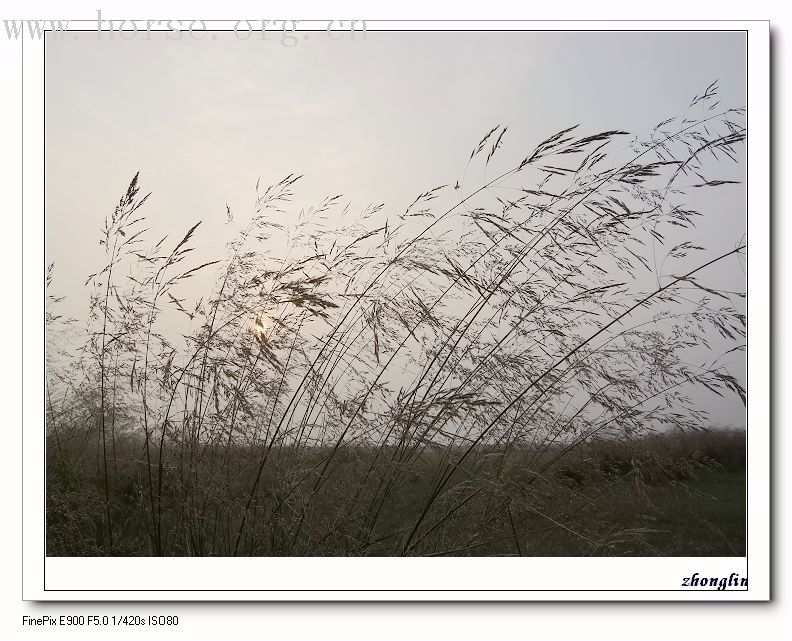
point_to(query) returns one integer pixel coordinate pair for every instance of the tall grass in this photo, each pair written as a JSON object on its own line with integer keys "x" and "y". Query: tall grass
{"x": 410, "y": 382}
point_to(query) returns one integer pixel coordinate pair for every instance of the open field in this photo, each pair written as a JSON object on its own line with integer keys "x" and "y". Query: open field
{"x": 667, "y": 495}
{"x": 483, "y": 372}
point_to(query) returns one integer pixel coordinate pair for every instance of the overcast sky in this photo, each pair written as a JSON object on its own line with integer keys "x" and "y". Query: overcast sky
{"x": 378, "y": 119}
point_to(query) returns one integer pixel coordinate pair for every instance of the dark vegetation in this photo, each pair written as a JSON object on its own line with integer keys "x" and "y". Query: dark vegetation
{"x": 671, "y": 494}
{"x": 504, "y": 369}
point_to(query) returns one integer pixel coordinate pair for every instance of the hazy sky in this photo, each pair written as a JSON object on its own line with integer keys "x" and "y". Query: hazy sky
{"x": 378, "y": 120}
